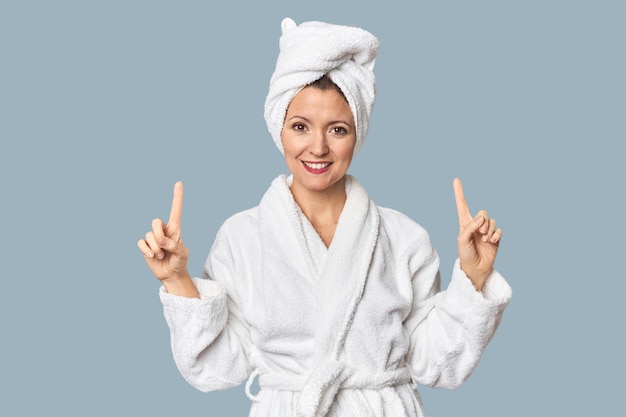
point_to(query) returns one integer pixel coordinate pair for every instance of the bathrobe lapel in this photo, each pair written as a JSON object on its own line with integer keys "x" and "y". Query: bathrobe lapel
{"x": 285, "y": 249}
{"x": 340, "y": 288}
{"x": 343, "y": 276}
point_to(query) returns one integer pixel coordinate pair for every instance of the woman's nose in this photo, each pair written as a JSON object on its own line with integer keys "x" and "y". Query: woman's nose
{"x": 319, "y": 144}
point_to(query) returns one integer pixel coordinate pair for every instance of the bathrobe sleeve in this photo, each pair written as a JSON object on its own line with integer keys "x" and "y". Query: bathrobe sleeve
{"x": 449, "y": 330}
{"x": 209, "y": 338}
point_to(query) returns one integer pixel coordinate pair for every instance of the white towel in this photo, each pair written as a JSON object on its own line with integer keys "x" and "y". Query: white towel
{"x": 314, "y": 49}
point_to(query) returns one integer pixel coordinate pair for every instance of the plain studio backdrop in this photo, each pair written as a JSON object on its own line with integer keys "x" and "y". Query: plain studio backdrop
{"x": 104, "y": 105}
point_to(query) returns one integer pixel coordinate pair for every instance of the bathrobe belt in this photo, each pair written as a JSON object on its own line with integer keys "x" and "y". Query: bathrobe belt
{"x": 318, "y": 391}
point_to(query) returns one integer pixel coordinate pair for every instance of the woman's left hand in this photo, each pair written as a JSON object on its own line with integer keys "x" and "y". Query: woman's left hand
{"x": 478, "y": 240}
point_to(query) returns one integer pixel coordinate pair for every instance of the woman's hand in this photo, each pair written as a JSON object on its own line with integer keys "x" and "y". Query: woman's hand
{"x": 165, "y": 253}
{"x": 478, "y": 240}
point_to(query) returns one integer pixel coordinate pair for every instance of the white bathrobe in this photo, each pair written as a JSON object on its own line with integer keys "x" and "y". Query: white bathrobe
{"x": 349, "y": 330}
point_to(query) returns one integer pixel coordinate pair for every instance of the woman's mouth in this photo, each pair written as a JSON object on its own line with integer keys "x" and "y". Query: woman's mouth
{"x": 316, "y": 167}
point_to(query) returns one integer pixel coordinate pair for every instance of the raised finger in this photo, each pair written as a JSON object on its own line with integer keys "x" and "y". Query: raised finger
{"x": 176, "y": 212}
{"x": 461, "y": 204}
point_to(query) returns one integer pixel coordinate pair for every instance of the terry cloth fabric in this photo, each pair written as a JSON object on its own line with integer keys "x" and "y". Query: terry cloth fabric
{"x": 340, "y": 284}
{"x": 313, "y": 49}
{"x": 345, "y": 330}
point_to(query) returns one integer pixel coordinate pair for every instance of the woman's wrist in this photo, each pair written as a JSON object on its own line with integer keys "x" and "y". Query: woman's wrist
{"x": 477, "y": 278}
{"x": 181, "y": 285}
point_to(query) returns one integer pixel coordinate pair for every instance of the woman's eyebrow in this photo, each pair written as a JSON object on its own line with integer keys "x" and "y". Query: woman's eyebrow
{"x": 295, "y": 116}
{"x": 345, "y": 122}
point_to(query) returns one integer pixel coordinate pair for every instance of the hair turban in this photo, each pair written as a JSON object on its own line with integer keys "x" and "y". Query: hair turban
{"x": 311, "y": 50}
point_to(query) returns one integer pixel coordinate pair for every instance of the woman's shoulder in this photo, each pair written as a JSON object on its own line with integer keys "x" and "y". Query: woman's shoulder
{"x": 395, "y": 218}
{"x": 239, "y": 233}
{"x": 399, "y": 226}
{"x": 244, "y": 220}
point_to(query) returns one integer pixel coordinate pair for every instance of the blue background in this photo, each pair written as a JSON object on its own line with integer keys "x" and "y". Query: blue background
{"x": 104, "y": 105}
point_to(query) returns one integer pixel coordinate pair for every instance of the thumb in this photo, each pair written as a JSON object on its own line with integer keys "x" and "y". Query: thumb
{"x": 170, "y": 244}
{"x": 471, "y": 228}
{"x": 177, "y": 250}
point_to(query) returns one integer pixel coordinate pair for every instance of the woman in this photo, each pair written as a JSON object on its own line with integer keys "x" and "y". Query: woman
{"x": 331, "y": 301}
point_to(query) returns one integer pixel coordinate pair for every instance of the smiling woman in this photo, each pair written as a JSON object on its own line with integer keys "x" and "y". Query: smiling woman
{"x": 318, "y": 142}
{"x": 333, "y": 302}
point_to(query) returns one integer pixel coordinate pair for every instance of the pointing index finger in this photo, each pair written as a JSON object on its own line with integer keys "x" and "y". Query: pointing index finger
{"x": 461, "y": 204}
{"x": 176, "y": 212}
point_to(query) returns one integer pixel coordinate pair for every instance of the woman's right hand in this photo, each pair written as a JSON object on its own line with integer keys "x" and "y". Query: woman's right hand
{"x": 164, "y": 251}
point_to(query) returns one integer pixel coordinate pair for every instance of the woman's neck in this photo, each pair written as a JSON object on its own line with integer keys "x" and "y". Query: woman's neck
{"x": 322, "y": 208}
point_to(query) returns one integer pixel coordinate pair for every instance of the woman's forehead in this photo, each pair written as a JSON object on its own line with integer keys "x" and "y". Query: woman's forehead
{"x": 312, "y": 100}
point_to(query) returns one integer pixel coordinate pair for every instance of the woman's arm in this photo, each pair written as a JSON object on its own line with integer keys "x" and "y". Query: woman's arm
{"x": 210, "y": 337}
{"x": 210, "y": 342}
{"x": 449, "y": 330}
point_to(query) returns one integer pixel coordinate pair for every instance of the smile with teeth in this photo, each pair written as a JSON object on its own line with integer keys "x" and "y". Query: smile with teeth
{"x": 316, "y": 165}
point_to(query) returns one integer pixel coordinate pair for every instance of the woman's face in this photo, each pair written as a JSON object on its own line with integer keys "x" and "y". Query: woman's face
{"x": 318, "y": 139}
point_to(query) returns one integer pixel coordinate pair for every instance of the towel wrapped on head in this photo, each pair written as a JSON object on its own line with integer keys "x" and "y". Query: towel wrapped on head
{"x": 311, "y": 50}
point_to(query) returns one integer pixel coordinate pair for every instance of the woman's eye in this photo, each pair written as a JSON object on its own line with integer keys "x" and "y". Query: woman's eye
{"x": 299, "y": 127}
{"x": 338, "y": 130}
